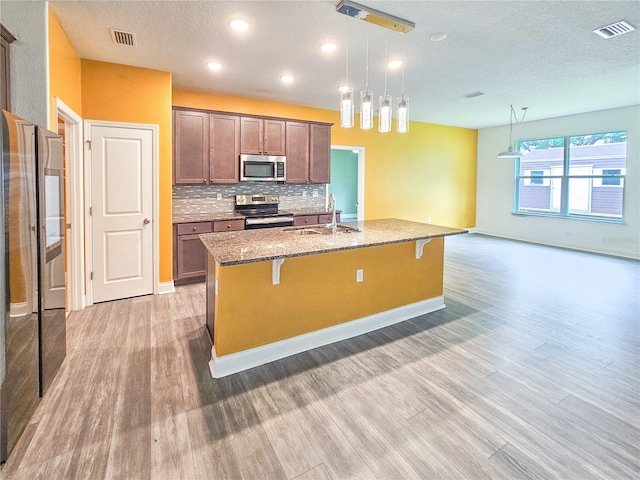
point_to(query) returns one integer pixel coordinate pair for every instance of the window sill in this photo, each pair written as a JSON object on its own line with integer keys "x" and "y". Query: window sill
{"x": 616, "y": 221}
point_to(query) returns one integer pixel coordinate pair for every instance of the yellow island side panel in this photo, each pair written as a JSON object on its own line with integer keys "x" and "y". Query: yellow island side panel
{"x": 319, "y": 291}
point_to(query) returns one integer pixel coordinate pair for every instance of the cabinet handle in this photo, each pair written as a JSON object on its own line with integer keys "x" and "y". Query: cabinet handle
{"x": 204, "y": 180}
{"x": 195, "y": 228}
{"x": 228, "y": 225}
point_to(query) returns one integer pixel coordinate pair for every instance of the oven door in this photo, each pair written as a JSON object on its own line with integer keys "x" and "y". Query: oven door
{"x": 252, "y": 223}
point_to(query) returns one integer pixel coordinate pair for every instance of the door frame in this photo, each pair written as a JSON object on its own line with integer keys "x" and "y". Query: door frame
{"x": 74, "y": 208}
{"x": 88, "y": 125}
{"x": 361, "y": 158}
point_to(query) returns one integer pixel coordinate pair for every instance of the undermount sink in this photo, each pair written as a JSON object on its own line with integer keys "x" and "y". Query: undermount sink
{"x": 320, "y": 230}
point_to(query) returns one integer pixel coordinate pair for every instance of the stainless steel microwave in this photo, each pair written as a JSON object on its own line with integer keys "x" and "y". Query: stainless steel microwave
{"x": 263, "y": 168}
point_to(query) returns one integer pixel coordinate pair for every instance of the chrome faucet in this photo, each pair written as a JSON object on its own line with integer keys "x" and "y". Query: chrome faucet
{"x": 332, "y": 206}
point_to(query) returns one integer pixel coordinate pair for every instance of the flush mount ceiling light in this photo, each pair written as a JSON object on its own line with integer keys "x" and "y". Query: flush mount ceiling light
{"x": 510, "y": 153}
{"x": 239, "y": 24}
{"x": 328, "y": 47}
{"x": 286, "y": 78}
{"x": 368, "y": 14}
{"x": 438, "y": 37}
{"x": 394, "y": 63}
{"x": 214, "y": 65}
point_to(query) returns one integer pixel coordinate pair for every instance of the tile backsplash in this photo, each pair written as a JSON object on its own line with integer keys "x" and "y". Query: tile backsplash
{"x": 190, "y": 199}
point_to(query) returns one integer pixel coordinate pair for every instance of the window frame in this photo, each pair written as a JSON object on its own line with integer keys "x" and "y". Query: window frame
{"x": 565, "y": 178}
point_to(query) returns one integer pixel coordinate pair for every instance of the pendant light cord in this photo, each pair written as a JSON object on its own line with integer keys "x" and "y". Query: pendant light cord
{"x": 385, "y": 65}
{"x": 367, "y": 66}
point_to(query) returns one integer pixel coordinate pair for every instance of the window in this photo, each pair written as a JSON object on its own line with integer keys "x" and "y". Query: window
{"x": 580, "y": 176}
{"x": 611, "y": 180}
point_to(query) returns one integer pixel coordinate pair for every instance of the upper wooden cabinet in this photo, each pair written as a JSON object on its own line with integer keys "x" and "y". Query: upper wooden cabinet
{"x": 206, "y": 147}
{"x": 297, "y": 152}
{"x": 262, "y": 136}
{"x": 225, "y": 148}
{"x": 320, "y": 153}
{"x": 308, "y": 152}
{"x": 190, "y": 147}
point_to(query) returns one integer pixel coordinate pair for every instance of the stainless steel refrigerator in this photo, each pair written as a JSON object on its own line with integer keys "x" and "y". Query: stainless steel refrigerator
{"x": 32, "y": 262}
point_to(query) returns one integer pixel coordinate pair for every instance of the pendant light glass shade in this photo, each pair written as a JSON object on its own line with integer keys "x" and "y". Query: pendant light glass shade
{"x": 346, "y": 107}
{"x": 509, "y": 153}
{"x": 384, "y": 116}
{"x": 366, "y": 109}
{"x": 403, "y": 115}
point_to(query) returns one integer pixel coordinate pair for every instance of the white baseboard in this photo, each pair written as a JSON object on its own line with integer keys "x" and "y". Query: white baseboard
{"x": 237, "y": 362}
{"x": 20, "y": 309}
{"x": 472, "y": 230}
{"x": 166, "y": 287}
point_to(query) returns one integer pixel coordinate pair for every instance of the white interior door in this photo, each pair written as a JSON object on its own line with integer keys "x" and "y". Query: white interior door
{"x": 122, "y": 212}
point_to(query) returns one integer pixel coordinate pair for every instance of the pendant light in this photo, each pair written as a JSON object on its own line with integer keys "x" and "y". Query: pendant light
{"x": 366, "y": 99}
{"x": 384, "y": 115}
{"x": 346, "y": 92}
{"x": 510, "y": 153}
{"x": 402, "y": 123}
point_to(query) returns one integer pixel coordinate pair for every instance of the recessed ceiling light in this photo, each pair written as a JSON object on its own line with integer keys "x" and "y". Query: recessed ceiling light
{"x": 394, "y": 63}
{"x": 437, "y": 37}
{"x": 239, "y": 24}
{"x": 328, "y": 47}
{"x": 286, "y": 78}
{"x": 214, "y": 65}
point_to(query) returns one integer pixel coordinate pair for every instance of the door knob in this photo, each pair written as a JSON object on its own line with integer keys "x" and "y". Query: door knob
{"x": 146, "y": 221}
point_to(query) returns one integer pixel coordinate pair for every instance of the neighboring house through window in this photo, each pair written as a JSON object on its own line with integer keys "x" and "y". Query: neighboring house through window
{"x": 579, "y": 176}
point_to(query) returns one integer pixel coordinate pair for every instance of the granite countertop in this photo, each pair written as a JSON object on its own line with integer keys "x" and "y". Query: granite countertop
{"x": 206, "y": 217}
{"x": 248, "y": 246}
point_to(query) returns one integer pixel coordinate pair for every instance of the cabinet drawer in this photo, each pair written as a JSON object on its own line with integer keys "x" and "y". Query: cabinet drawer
{"x": 327, "y": 217}
{"x": 228, "y": 225}
{"x": 302, "y": 220}
{"x": 191, "y": 228}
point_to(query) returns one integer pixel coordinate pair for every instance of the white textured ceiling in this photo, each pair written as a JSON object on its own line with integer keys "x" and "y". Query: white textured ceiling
{"x": 539, "y": 54}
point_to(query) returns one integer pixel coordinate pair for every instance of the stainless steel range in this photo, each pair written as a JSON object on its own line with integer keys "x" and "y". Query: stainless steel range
{"x": 262, "y": 211}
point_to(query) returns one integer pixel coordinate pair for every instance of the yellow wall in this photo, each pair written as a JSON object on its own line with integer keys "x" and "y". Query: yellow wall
{"x": 64, "y": 71}
{"x": 319, "y": 291}
{"x": 121, "y": 93}
{"x": 428, "y": 172}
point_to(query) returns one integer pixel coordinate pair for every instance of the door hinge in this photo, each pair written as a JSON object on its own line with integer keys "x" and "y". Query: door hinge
{"x": 89, "y": 143}
{"x": 91, "y": 276}
{"x": 90, "y": 211}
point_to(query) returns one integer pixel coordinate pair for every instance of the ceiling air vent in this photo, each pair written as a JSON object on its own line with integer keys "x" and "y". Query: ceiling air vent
{"x": 615, "y": 29}
{"x": 123, "y": 38}
{"x": 473, "y": 94}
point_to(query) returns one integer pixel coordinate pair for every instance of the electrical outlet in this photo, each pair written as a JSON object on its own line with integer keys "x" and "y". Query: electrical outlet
{"x": 315, "y": 193}
{"x": 359, "y": 275}
{"x": 218, "y": 196}
{"x": 304, "y": 193}
{"x": 428, "y": 219}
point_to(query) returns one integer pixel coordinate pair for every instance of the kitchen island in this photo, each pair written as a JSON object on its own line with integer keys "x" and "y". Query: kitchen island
{"x": 276, "y": 292}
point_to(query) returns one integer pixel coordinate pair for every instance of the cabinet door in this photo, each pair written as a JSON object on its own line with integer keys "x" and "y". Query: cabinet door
{"x": 297, "y": 152}
{"x": 190, "y": 147}
{"x": 320, "y": 154}
{"x": 225, "y": 148}
{"x": 251, "y": 134}
{"x": 191, "y": 259}
{"x": 274, "y": 137}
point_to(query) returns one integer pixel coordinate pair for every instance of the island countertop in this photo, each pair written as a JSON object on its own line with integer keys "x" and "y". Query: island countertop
{"x": 248, "y": 246}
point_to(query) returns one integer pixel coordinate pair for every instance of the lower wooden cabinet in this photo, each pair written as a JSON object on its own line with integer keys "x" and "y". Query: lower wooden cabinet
{"x": 302, "y": 220}
{"x": 189, "y": 254}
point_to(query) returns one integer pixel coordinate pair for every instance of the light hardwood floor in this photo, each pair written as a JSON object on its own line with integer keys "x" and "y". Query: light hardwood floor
{"x": 530, "y": 372}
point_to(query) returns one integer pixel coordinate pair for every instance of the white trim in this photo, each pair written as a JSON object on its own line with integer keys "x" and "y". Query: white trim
{"x": 361, "y": 162}
{"x": 237, "y": 362}
{"x": 472, "y": 230}
{"x": 166, "y": 287}
{"x": 156, "y": 188}
{"x": 75, "y": 203}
